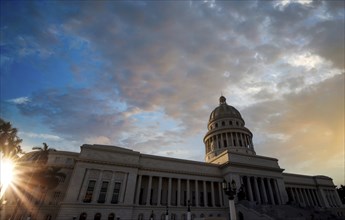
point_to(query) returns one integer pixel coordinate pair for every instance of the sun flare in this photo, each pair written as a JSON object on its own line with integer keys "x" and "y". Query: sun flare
{"x": 7, "y": 169}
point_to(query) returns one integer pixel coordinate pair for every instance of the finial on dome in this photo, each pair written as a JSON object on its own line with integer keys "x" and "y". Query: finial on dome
{"x": 222, "y": 100}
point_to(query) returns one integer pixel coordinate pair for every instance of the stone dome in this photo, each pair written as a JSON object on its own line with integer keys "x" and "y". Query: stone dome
{"x": 224, "y": 111}
{"x": 227, "y": 132}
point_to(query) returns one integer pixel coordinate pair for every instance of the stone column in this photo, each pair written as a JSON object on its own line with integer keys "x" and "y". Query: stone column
{"x": 148, "y": 195}
{"x": 265, "y": 200}
{"x": 232, "y": 139}
{"x": 250, "y": 193}
{"x": 221, "y": 141}
{"x": 304, "y": 197}
{"x": 309, "y": 197}
{"x": 270, "y": 191}
{"x": 111, "y": 188}
{"x": 244, "y": 140}
{"x": 317, "y": 197}
{"x": 220, "y": 190}
{"x": 217, "y": 142}
{"x": 122, "y": 195}
{"x": 313, "y": 197}
{"x": 188, "y": 190}
{"x": 159, "y": 197}
{"x": 169, "y": 192}
{"x": 178, "y": 192}
{"x": 330, "y": 196}
{"x": 227, "y": 139}
{"x": 337, "y": 199}
{"x": 295, "y": 196}
{"x": 212, "y": 193}
{"x": 277, "y": 191}
{"x": 257, "y": 193}
{"x": 138, "y": 190}
{"x": 97, "y": 188}
{"x": 196, "y": 194}
{"x": 251, "y": 144}
{"x": 292, "y": 194}
{"x": 301, "y": 196}
{"x": 205, "y": 194}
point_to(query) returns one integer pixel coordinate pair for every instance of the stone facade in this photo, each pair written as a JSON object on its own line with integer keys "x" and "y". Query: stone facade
{"x": 109, "y": 182}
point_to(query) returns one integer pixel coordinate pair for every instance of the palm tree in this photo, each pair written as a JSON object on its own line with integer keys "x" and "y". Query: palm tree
{"x": 41, "y": 154}
{"x": 40, "y": 175}
{"x": 49, "y": 179}
{"x": 9, "y": 141}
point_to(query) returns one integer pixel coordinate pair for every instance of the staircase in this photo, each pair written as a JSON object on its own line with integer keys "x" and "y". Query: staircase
{"x": 282, "y": 212}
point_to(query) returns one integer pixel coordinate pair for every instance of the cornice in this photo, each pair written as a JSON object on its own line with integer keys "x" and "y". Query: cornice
{"x": 257, "y": 167}
{"x": 143, "y": 168}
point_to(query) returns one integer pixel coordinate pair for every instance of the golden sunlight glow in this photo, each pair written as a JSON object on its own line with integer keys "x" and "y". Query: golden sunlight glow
{"x": 7, "y": 169}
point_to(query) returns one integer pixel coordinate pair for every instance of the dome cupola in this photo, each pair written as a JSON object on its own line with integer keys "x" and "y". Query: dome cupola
{"x": 227, "y": 131}
{"x": 224, "y": 111}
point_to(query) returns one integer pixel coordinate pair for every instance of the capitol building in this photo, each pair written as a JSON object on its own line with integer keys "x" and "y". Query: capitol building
{"x": 114, "y": 183}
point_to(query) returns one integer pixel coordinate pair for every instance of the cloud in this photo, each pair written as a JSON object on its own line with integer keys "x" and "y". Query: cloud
{"x": 20, "y": 100}
{"x": 169, "y": 61}
{"x": 302, "y": 129}
{"x": 285, "y": 3}
{"x": 40, "y": 136}
{"x": 98, "y": 140}
{"x": 305, "y": 60}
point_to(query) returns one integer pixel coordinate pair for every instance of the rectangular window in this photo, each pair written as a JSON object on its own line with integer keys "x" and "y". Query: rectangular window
{"x": 56, "y": 197}
{"x": 89, "y": 191}
{"x": 116, "y": 193}
{"x": 103, "y": 192}
{"x": 62, "y": 179}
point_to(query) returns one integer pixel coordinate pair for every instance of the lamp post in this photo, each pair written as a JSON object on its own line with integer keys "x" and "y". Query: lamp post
{"x": 167, "y": 214}
{"x": 189, "y": 216}
{"x": 230, "y": 191}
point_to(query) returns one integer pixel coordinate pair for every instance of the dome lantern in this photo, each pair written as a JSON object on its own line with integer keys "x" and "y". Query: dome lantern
{"x": 222, "y": 100}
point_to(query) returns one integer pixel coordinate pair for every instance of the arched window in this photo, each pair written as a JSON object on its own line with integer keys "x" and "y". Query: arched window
{"x": 97, "y": 216}
{"x": 111, "y": 216}
{"x": 82, "y": 216}
{"x": 216, "y": 125}
{"x": 230, "y": 122}
{"x": 223, "y": 123}
{"x": 141, "y": 216}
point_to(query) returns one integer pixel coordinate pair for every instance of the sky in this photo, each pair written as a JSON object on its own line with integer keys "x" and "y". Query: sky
{"x": 145, "y": 75}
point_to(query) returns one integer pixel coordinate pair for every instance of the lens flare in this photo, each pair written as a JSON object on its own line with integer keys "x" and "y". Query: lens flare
{"x": 7, "y": 168}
